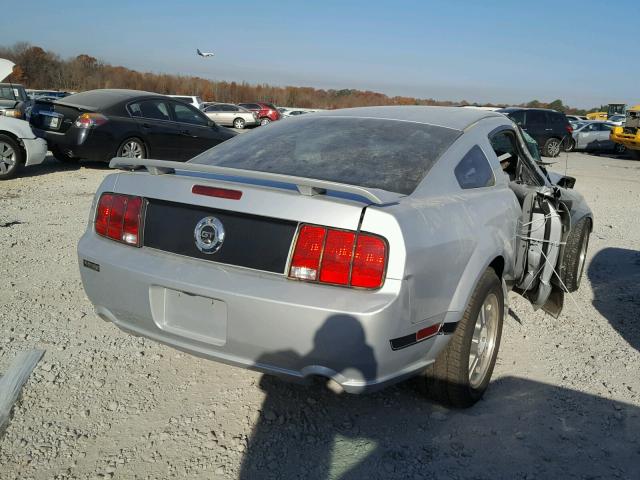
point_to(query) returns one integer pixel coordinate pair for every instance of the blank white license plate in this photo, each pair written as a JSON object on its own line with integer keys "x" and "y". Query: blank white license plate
{"x": 192, "y": 316}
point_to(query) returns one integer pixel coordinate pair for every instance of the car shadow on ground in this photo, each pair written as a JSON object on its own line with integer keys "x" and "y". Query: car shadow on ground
{"x": 51, "y": 165}
{"x": 615, "y": 279}
{"x": 521, "y": 429}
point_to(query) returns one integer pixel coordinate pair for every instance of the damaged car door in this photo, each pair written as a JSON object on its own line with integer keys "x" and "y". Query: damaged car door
{"x": 542, "y": 225}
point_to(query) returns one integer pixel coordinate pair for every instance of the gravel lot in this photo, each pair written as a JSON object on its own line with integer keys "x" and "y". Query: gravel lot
{"x": 564, "y": 402}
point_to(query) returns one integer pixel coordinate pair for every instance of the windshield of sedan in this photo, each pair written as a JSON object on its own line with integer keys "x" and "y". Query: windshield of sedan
{"x": 387, "y": 154}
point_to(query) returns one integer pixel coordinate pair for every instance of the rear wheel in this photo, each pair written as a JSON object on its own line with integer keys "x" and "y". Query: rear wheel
{"x": 63, "y": 157}
{"x": 265, "y": 121}
{"x": 575, "y": 255}
{"x": 11, "y": 157}
{"x": 635, "y": 154}
{"x": 551, "y": 147}
{"x": 132, "y": 148}
{"x": 461, "y": 373}
{"x": 239, "y": 123}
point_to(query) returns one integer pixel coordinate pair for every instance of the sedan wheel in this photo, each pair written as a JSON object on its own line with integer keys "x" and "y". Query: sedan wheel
{"x": 10, "y": 157}
{"x": 571, "y": 145}
{"x": 265, "y": 121}
{"x": 238, "y": 123}
{"x": 131, "y": 148}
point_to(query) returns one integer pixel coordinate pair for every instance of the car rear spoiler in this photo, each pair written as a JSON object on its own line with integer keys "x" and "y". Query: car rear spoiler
{"x": 305, "y": 186}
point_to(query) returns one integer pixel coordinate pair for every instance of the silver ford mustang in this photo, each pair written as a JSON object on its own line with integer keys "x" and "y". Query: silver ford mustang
{"x": 363, "y": 245}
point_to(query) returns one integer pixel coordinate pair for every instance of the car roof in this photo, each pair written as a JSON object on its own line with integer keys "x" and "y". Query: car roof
{"x": 449, "y": 117}
{"x": 103, "y": 98}
{"x": 516, "y": 109}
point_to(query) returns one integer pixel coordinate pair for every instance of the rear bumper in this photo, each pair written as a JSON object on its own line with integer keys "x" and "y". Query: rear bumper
{"x": 36, "y": 149}
{"x": 90, "y": 144}
{"x": 271, "y": 324}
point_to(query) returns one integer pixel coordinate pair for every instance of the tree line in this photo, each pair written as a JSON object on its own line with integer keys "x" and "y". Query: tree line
{"x": 37, "y": 68}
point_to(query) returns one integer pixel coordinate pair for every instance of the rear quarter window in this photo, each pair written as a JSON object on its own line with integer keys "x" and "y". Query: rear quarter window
{"x": 376, "y": 153}
{"x": 474, "y": 170}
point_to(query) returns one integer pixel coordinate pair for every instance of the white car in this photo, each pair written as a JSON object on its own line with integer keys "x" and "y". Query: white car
{"x": 616, "y": 120}
{"x": 231, "y": 115}
{"x": 190, "y": 99}
{"x": 18, "y": 146}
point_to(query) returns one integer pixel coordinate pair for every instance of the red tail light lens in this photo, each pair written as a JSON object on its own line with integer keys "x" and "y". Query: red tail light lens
{"x": 88, "y": 120}
{"x": 339, "y": 257}
{"x": 369, "y": 262}
{"x": 306, "y": 257}
{"x": 569, "y": 129}
{"x": 118, "y": 217}
{"x": 336, "y": 260}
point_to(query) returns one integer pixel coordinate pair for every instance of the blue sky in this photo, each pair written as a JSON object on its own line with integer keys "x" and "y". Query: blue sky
{"x": 584, "y": 53}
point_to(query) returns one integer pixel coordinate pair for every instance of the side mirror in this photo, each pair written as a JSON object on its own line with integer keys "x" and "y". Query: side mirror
{"x": 213, "y": 124}
{"x": 566, "y": 182}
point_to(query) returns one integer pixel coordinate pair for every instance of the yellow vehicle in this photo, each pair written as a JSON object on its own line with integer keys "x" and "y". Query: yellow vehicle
{"x": 629, "y": 133}
{"x": 597, "y": 116}
{"x": 614, "y": 109}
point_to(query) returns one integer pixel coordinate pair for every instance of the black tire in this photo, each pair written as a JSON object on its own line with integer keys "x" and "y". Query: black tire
{"x": 575, "y": 253}
{"x": 570, "y": 146}
{"x": 239, "y": 123}
{"x": 447, "y": 379}
{"x": 619, "y": 148}
{"x": 265, "y": 121}
{"x": 11, "y": 157}
{"x": 62, "y": 157}
{"x": 552, "y": 147}
{"x": 635, "y": 154}
{"x": 127, "y": 148}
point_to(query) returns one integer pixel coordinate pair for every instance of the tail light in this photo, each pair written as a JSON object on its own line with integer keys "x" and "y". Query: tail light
{"x": 118, "y": 217}
{"x": 339, "y": 257}
{"x": 569, "y": 129}
{"x": 88, "y": 120}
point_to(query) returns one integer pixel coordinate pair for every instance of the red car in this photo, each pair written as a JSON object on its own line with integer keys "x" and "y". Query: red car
{"x": 267, "y": 112}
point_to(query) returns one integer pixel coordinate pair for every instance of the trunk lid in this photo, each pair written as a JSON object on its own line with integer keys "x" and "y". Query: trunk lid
{"x": 54, "y": 116}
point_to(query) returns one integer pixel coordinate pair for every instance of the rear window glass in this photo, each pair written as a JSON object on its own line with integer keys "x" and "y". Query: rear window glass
{"x": 376, "y": 153}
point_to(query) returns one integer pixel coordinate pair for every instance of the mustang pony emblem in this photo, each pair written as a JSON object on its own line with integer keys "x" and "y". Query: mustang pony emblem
{"x": 209, "y": 235}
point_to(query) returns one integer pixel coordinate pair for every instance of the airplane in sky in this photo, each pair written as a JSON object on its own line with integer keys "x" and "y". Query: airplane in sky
{"x": 204, "y": 54}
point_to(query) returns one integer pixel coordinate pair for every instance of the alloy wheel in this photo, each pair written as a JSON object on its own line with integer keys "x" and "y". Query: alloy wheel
{"x": 483, "y": 342}
{"x": 7, "y": 157}
{"x": 132, "y": 149}
{"x": 582, "y": 259}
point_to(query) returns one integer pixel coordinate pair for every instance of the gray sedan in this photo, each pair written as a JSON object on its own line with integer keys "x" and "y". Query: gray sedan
{"x": 231, "y": 115}
{"x": 594, "y": 136}
{"x": 362, "y": 246}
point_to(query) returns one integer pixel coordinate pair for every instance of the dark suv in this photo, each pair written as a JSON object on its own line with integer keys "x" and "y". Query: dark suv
{"x": 549, "y": 128}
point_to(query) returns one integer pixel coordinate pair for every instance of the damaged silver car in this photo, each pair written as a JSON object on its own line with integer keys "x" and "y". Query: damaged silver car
{"x": 364, "y": 245}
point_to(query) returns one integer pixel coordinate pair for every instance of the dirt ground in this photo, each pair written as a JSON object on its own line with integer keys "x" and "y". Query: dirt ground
{"x": 564, "y": 401}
